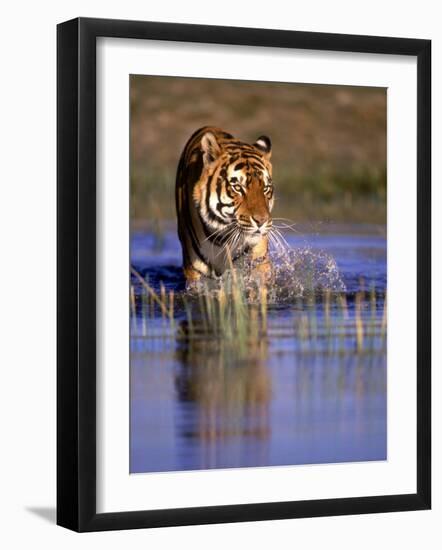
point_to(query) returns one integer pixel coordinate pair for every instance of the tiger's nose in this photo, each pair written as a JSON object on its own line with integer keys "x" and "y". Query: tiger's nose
{"x": 259, "y": 220}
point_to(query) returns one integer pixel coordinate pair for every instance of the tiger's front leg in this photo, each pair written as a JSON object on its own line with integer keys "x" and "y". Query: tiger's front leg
{"x": 262, "y": 269}
{"x": 191, "y": 274}
{"x": 194, "y": 270}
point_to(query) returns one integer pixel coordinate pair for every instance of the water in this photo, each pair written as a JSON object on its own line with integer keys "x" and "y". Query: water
{"x": 288, "y": 400}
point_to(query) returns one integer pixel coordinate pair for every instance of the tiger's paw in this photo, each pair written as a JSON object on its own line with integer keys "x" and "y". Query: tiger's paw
{"x": 192, "y": 275}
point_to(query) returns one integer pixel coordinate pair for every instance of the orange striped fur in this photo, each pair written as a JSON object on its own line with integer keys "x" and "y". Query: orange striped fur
{"x": 224, "y": 199}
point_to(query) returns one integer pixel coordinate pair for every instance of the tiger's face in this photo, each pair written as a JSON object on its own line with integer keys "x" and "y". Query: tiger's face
{"x": 236, "y": 188}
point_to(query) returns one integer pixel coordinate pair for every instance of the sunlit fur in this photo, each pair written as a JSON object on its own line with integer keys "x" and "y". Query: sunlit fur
{"x": 224, "y": 199}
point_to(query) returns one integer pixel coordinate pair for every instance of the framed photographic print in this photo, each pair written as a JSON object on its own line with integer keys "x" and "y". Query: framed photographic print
{"x": 243, "y": 274}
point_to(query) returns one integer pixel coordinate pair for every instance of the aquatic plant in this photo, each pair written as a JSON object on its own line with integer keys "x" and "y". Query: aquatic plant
{"x": 236, "y": 314}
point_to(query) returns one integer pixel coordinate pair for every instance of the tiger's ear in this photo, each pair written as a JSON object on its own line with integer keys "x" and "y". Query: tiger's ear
{"x": 264, "y": 144}
{"x": 210, "y": 147}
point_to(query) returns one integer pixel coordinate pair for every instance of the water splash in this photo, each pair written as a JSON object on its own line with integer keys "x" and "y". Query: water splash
{"x": 304, "y": 270}
{"x": 295, "y": 274}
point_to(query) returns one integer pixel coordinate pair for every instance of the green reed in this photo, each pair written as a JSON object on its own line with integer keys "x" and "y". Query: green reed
{"x": 238, "y": 316}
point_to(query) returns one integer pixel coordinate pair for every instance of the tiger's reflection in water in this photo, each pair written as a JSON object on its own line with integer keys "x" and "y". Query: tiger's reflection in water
{"x": 229, "y": 392}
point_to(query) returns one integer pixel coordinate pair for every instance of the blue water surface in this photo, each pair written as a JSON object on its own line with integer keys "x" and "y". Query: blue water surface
{"x": 199, "y": 407}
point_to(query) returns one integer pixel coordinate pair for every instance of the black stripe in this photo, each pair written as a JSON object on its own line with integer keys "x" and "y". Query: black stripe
{"x": 253, "y": 156}
{"x": 194, "y": 241}
{"x": 213, "y": 216}
{"x": 190, "y": 230}
{"x": 200, "y": 256}
{"x": 239, "y": 145}
{"x": 221, "y": 204}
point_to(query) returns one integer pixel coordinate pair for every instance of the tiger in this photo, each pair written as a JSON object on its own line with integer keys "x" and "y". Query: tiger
{"x": 224, "y": 198}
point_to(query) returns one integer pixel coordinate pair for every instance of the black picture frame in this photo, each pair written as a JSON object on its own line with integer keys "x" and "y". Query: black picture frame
{"x": 76, "y": 273}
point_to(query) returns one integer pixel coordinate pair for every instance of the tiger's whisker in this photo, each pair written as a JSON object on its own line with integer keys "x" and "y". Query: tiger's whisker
{"x": 228, "y": 242}
{"x": 274, "y": 242}
{"x": 281, "y": 236}
{"x": 286, "y": 226}
{"x": 217, "y": 231}
{"x": 229, "y": 232}
{"x": 281, "y": 242}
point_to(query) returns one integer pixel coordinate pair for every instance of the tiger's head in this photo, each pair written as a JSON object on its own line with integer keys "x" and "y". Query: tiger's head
{"x": 236, "y": 188}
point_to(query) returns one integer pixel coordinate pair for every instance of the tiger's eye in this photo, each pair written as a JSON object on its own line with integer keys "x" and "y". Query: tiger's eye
{"x": 237, "y": 188}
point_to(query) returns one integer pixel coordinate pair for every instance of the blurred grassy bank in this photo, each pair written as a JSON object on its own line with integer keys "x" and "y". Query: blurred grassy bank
{"x": 329, "y": 143}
